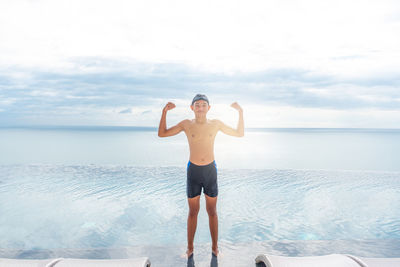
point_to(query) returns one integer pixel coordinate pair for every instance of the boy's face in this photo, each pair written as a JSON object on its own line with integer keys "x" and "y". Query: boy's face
{"x": 200, "y": 106}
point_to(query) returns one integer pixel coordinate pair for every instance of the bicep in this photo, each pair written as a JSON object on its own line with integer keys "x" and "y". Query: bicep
{"x": 174, "y": 130}
{"x": 226, "y": 129}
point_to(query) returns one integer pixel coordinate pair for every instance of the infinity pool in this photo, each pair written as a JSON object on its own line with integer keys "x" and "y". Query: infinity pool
{"x": 105, "y": 207}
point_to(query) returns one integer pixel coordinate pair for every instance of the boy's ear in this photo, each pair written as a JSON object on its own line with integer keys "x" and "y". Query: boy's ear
{"x": 191, "y": 107}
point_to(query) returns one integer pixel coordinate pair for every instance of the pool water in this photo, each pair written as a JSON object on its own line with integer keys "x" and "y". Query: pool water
{"x": 56, "y": 207}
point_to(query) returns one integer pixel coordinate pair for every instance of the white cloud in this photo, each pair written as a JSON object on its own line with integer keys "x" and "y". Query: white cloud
{"x": 7, "y": 101}
{"x": 346, "y": 42}
{"x": 45, "y": 93}
{"x": 270, "y": 116}
{"x": 288, "y": 116}
{"x": 214, "y": 36}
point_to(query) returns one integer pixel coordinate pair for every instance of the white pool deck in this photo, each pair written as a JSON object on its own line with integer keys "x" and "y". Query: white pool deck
{"x": 267, "y": 260}
{"x": 61, "y": 262}
{"x": 372, "y": 253}
{"x": 332, "y": 260}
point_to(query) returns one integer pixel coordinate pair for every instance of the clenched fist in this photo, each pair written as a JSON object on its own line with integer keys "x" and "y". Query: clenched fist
{"x": 169, "y": 106}
{"x": 236, "y": 106}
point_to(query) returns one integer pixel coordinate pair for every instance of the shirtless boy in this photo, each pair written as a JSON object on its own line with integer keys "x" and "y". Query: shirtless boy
{"x": 201, "y": 168}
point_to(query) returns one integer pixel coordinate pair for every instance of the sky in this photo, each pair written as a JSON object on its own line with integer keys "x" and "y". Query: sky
{"x": 287, "y": 63}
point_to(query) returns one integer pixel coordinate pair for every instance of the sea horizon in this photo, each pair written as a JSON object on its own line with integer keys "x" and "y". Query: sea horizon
{"x": 372, "y": 149}
{"x": 151, "y": 128}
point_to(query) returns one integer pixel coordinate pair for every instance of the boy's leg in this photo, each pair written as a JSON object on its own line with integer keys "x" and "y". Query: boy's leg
{"x": 211, "y": 205}
{"x": 194, "y": 207}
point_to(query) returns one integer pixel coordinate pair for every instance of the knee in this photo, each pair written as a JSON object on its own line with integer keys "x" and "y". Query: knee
{"x": 193, "y": 212}
{"x": 212, "y": 211}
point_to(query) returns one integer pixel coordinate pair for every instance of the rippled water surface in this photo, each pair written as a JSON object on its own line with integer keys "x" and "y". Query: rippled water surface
{"x": 90, "y": 206}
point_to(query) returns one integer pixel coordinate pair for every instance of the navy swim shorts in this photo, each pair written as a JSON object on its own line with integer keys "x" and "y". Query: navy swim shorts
{"x": 201, "y": 176}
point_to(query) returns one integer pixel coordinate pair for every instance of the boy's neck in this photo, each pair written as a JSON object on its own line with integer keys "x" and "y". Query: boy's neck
{"x": 201, "y": 119}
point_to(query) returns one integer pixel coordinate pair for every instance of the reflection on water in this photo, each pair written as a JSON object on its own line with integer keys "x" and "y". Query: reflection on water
{"x": 92, "y": 206}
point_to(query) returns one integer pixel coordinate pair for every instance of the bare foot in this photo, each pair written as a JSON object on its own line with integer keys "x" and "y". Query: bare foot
{"x": 217, "y": 253}
{"x": 188, "y": 253}
{"x": 214, "y": 258}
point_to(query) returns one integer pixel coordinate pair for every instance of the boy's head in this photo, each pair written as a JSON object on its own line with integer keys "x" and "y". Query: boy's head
{"x": 200, "y": 103}
{"x": 200, "y": 97}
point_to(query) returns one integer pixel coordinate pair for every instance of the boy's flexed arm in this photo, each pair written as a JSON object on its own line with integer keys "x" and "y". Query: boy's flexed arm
{"x": 162, "y": 129}
{"x": 239, "y": 132}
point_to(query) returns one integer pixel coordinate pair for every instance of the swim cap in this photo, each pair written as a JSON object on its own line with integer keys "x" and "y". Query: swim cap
{"x": 200, "y": 97}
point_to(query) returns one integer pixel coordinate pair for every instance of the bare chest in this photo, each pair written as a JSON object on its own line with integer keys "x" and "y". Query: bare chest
{"x": 199, "y": 133}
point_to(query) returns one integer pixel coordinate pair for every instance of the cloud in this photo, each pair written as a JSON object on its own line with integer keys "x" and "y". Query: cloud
{"x": 97, "y": 62}
{"x": 348, "y": 57}
{"x": 146, "y": 112}
{"x": 228, "y": 36}
{"x": 143, "y": 84}
{"x": 125, "y": 111}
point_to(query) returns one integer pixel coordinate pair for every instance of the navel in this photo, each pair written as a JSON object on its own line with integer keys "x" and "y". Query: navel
{"x": 192, "y": 135}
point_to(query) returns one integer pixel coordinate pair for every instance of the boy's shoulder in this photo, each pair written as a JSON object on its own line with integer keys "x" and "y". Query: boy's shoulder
{"x": 215, "y": 121}
{"x": 185, "y": 122}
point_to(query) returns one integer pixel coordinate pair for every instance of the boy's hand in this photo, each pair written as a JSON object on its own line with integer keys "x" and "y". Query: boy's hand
{"x": 169, "y": 106}
{"x": 236, "y": 106}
